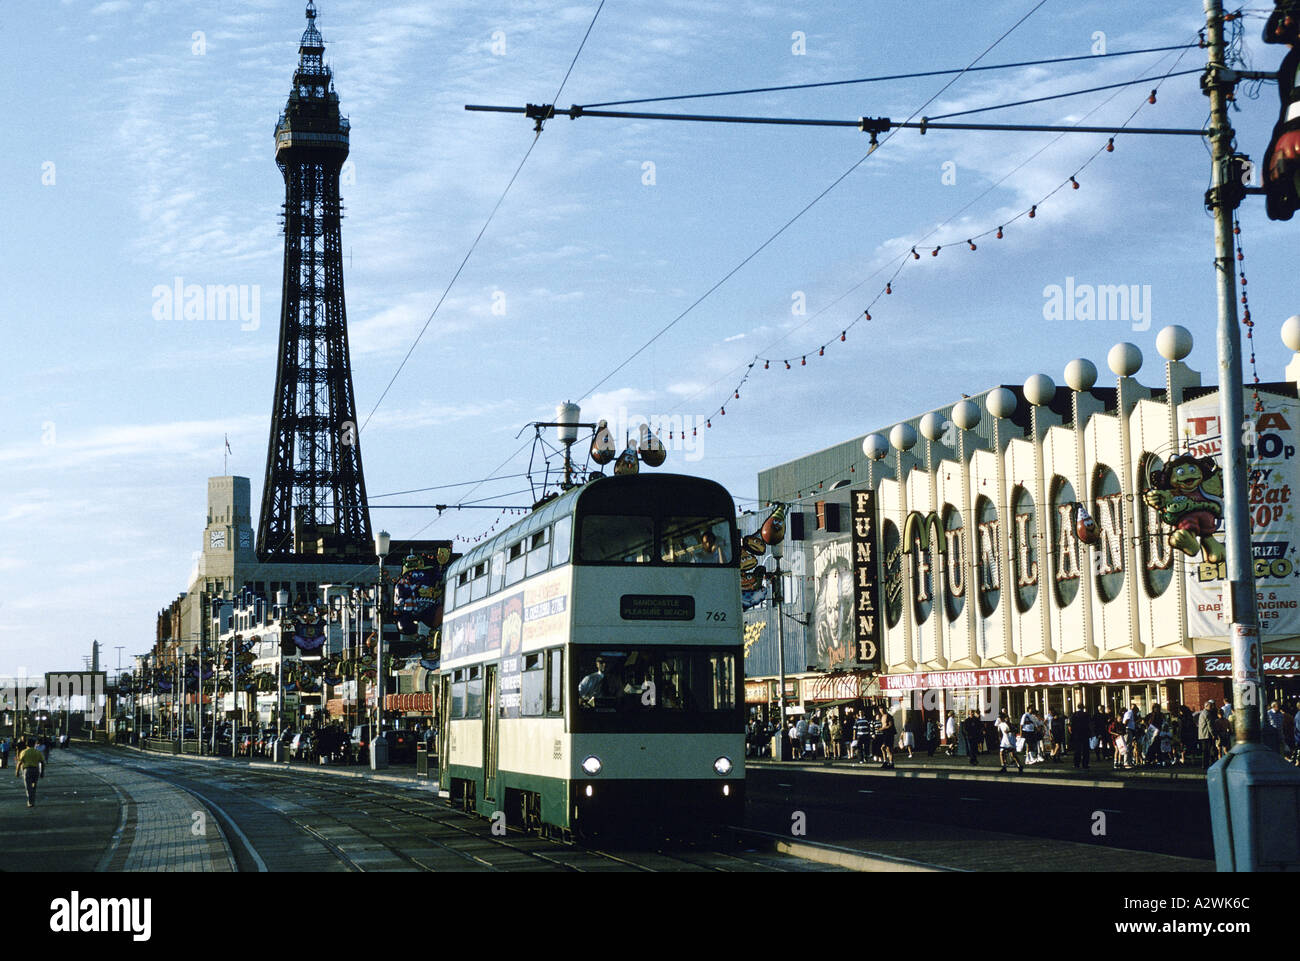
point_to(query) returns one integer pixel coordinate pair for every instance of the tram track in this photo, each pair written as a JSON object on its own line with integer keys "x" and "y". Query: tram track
{"x": 391, "y": 829}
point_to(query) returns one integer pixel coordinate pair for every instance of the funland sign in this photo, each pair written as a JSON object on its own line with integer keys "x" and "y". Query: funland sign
{"x": 1093, "y": 672}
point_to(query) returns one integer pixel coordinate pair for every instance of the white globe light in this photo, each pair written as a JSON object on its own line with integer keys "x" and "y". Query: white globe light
{"x": 1174, "y": 342}
{"x": 966, "y": 414}
{"x": 903, "y": 437}
{"x": 875, "y": 446}
{"x": 1291, "y": 333}
{"x": 1039, "y": 390}
{"x": 1080, "y": 374}
{"x": 1001, "y": 402}
{"x": 1124, "y": 360}
{"x": 932, "y": 426}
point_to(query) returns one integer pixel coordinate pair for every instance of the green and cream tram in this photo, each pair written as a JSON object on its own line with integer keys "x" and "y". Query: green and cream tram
{"x": 592, "y": 660}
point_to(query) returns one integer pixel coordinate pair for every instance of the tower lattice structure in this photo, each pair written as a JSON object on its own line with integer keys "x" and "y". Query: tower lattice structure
{"x": 315, "y": 493}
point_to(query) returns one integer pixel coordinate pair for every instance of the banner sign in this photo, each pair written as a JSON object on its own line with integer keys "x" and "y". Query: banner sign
{"x": 866, "y": 576}
{"x": 1220, "y": 665}
{"x": 1271, "y": 438}
{"x": 832, "y": 687}
{"x": 1094, "y": 672}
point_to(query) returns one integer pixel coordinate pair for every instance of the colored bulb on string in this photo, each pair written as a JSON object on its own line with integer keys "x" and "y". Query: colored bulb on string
{"x": 915, "y": 255}
{"x": 935, "y": 252}
{"x": 888, "y": 288}
{"x": 868, "y": 314}
{"x": 1240, "y": 255}
{"x": 1032, "y": 211}
{"x": 843, "y": 334}
{"x": 1110, "y": 145}
{"x": 1074, "y": 183}
{"x": 787, "y": 365}
{"x": 1152, "y": 98}
{"x": 737, "y": 395}
{"x": 972, "y": 244}
{"x": 999, "y": 233}
{"x": 723, "y": 411}
{"x": 821, "y": 352}
{"x": 804, "y": 362}
{"x": 766, "y": 365}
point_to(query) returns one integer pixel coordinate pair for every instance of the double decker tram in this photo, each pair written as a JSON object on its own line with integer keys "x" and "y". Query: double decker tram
{"x": 592, "y": 663}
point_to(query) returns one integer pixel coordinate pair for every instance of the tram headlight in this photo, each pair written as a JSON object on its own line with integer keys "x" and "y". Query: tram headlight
{"x": 722, "y": 766}
{"x": 592, "y": 765}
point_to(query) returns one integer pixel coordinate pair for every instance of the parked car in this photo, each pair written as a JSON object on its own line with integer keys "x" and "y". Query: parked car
{"x": 361, "y": 744}
{"x": 244, "y": 747}
{"x": 303, "y": 746}
{"x": 401, "y": 746}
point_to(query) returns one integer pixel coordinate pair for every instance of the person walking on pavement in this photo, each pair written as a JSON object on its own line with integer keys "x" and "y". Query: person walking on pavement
{"x": 1205, "y": 733}
{"x": 931, "y": 736}
{"x": 1007, "y": 743}
{"x": 886, "y": 738}
{"x": 4, "y": 752}
{"x": 1101, "y": 729}
{"x": 31, "y": 768}
{"x": 950, "y": 732}
{"x": 1273, "y": 727}
{"x": 833, "y": 734}
{"x": 974, "y": 731}
{"x": 1080, "y": 736}
{"x": 862, "y": 737}
{"x": 1029, "y": 731}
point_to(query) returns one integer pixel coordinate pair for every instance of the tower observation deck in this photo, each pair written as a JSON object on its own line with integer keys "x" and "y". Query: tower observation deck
{"x": 314, "y": 499}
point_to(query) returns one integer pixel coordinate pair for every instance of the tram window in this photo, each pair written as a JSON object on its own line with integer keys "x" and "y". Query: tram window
{"x": 539, "y": 552}
{"x": 533, "y": 685}
{"x": 497, "y": 572}
{"x": 479, "y": 582}
{"x": 555, "y": 682}
{"x": 563, "y": 541}
{"x": 458, "y": 693}
{"x": 515, "y": 565}
{"x": 640, "y": 681}
{"x": 474, "y": 692}
{"x": 696, "y": 540}
{"x": 616, "y": 539}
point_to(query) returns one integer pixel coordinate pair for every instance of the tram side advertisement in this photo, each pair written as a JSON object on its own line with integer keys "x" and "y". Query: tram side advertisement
{"x": 1271, "y": 438}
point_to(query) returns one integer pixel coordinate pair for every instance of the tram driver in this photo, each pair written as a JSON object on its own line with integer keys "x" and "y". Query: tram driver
{"x": 599, "y": 685}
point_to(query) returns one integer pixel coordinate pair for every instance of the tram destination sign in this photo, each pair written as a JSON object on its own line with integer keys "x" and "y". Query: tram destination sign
{"x": 657, "y": 607}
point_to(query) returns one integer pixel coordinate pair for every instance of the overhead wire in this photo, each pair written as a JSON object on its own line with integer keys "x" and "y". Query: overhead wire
{"x": 880, "y": 79}
{"x": 838, "y": 180}
{"x": 497, "y": 206}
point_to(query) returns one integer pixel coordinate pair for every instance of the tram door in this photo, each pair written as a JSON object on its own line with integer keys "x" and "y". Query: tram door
{"x": 444, "y": 733}
{"x": 490, "y": 736}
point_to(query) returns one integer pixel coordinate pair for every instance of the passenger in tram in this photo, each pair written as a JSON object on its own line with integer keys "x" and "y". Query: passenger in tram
{"x": 710, "y": 550}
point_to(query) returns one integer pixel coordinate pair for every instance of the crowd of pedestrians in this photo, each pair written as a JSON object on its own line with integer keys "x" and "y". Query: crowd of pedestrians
{"x": 1128, "y": 738}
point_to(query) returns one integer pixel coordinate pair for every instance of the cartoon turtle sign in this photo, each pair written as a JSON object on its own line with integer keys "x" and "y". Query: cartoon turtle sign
{"x": 1188, "y": 496}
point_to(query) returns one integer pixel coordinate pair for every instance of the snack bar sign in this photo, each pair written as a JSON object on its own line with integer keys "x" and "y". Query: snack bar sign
{"x": 1095, "y": 672}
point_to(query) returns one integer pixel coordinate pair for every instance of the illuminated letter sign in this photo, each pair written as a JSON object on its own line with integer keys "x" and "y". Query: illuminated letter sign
{"x": 866, "y": 595}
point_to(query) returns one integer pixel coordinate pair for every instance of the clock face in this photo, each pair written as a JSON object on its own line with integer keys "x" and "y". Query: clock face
{"x": 217, "y": 539}
{"x": 245, "y": 539}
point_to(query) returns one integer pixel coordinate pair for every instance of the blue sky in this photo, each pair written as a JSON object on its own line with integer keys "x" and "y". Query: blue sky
{"x": 139, "y": 142}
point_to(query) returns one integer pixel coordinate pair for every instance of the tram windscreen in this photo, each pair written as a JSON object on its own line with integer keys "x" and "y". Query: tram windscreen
{"x": 651, "y": 680}
{"x": 616, "y": 539}
{"x": 695, "y": 540}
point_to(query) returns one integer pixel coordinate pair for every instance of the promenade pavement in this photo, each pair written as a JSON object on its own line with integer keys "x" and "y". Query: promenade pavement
{"x": 94, "y": 815}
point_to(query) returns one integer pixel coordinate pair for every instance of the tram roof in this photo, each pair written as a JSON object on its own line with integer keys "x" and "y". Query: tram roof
{"x": 562, "y": 506}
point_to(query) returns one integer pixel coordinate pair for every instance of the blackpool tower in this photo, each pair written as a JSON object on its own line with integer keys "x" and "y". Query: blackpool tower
{"x": 314, "y": 499}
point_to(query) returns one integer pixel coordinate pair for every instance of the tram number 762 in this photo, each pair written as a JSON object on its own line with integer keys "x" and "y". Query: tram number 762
{"x": 715, "y": 615}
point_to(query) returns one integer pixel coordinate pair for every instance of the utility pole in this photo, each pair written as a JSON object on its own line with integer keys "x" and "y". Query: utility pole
{"x": 1253, "y": 792}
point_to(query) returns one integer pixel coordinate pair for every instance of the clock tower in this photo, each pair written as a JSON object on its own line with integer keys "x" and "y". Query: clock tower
{"x": 228, "y": 536}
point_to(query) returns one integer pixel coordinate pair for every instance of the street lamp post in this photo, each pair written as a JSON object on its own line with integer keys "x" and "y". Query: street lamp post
{"x": 1252, "y": 791}
{"x": 783, "y": 742}
{"x": 379, "y": 746}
